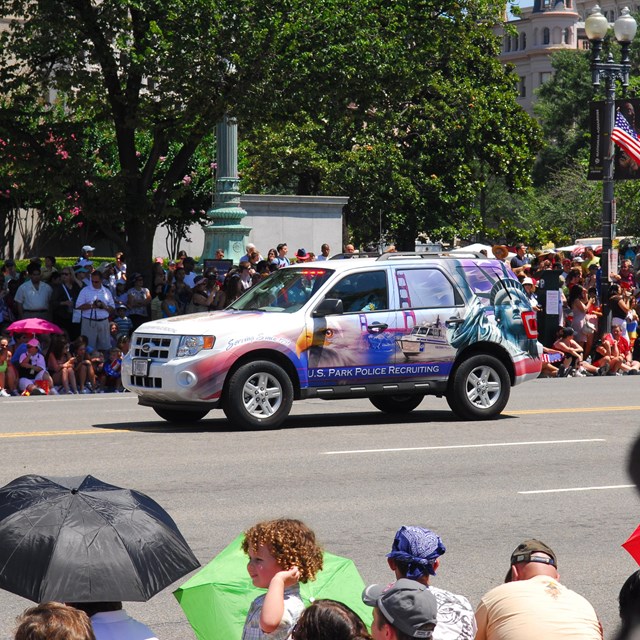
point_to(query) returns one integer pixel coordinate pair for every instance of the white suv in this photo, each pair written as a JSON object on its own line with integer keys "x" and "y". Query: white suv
{"x": 392, "y": 329}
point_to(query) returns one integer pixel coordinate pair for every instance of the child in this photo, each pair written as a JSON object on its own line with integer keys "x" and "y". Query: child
{"x": 113, "y": 379}
{"x": 5, "y": 357}
{"x": 122, "y": 320}
{"x": 281, "y": 553}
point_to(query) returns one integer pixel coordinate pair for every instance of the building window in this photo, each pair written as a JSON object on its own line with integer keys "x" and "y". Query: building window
{"x": 544, "y": 76}
{"x": 515, "y": 43}
{"x": 546, "y": 39}
{"x": 523, "y": 41}
{"x": 566, "y": 36}
{"x": 507, "y": 43}
{"x": 522, "y": 87}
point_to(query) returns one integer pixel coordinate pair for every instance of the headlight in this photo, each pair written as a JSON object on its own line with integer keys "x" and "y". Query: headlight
{"x": 190, "y": 345}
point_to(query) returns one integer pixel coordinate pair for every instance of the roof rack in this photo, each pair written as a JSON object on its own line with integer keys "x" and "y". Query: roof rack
{"x": 400, "y": 255}
{"x": 360, "y": 254}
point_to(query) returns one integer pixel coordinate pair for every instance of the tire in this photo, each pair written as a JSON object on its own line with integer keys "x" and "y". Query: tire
{"x": 397, "y": 404}
{"x": 259, "y": 395}
{"x": 480, "y": 388}
{"x": 179, "y": 416}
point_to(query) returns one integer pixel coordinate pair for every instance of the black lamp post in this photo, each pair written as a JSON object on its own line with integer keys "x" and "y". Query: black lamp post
{"x": 596, "y": 27}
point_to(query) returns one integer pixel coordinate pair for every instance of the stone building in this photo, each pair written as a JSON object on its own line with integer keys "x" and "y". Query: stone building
{"x": 541, "y": 30}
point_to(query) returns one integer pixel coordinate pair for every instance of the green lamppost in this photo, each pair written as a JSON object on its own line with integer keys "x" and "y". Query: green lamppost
{"x": 624, "y": 28}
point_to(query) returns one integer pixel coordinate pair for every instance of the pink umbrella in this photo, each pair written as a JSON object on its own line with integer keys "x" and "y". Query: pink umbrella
{"x": 33, "y": 325}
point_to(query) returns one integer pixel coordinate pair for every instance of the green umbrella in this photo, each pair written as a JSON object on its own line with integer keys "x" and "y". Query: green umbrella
{"x": 217, "y": 599}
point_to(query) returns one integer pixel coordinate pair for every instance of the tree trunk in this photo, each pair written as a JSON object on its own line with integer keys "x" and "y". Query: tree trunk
{"x": 139, "y": 252}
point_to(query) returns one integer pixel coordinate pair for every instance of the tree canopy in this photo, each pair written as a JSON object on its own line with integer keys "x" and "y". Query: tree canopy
{"x": 402, "y": 105}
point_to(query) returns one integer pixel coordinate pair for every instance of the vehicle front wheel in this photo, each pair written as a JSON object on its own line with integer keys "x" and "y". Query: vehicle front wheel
{"x": 259, "y": 395}
{"x": 396, "y": 404}
{"x": 179, "y": 416}
{"x": 480, "y": 389}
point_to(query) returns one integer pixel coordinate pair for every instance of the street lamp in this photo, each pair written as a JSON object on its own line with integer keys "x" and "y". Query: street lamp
{"x": 624, "y": 28}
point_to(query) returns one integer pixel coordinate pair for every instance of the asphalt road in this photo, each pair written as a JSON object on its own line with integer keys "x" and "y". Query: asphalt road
{"x": 552, "y": 467}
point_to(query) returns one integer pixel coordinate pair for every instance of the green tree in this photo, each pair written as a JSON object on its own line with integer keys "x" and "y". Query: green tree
{"x": 415, "y": 153}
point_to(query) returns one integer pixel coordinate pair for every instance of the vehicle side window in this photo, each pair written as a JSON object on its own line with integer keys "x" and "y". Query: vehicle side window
{"x": 362, "y": 292}
{"x": 425, "y": 288}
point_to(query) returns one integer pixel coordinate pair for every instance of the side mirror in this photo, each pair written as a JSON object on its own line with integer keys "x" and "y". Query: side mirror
{"x": 328, "y": 307}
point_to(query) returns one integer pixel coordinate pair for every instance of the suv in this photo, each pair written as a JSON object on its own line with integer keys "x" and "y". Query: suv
{"x": 392, "y": 329}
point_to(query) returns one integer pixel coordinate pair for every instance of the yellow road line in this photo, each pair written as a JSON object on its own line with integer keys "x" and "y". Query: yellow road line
{"x": 531, "y": 412}
{"x": 79, "y": 432}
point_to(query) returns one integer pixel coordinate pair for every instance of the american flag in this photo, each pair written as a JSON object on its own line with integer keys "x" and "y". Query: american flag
{"x": 626, "y": 138}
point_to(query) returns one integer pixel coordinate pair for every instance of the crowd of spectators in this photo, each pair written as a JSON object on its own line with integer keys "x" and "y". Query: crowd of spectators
{"x": 579, "y": 347}
{"x": 98, "y": 306}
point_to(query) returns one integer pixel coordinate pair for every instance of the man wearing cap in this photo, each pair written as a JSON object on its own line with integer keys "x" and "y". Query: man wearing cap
{"x": 532, "y": 604}
{"x": 402, "y": 610}
{"x": 415, "y": 554}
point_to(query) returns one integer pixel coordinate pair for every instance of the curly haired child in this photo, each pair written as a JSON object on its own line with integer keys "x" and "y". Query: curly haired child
{"x": 282, "y": 553}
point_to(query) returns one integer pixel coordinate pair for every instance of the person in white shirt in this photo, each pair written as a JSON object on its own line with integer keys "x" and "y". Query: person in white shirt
{"x": 96, "y": 304}
{"x": 33, "y": 296}
{"x": 111, "y": 622}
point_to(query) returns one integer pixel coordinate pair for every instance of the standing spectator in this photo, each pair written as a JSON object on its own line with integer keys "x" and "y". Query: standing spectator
{"x": 96, "y": 304}
{"x": 272, "y": 257}
{"x": 533, "y": 603}
{"x": 121, "y": 294}
{"x": 189, "y": 265}
{"x": 530, "y": 291}
{"x": 169, "y": 305}
{"x": 122, "y": 320}
{"x": 33, "y": 296}
{"x": 86, "y": 256}
{"x": 9, "y": 272}
{"x": 520, "y": 260}
{"x": 404, "y": 609}
{"x": 63, "y": 302}
{"x": 250, "y": 249}
{"x": 54, "y": 621}
{"x": 325, "y": 251}
{"x": 281, "y": 259}
{"x": 588, "y": 259}
{"x": 48, "y": 269}
{"x": 201, "y": 299}
{"x": 138, "y": 301}
{"x": 415, "y": 554}
{"x": 302, "y": 255}
{"x": 349, "y": 249}
{"x": 219, "y": 254}
{"x": 121, "y": 267}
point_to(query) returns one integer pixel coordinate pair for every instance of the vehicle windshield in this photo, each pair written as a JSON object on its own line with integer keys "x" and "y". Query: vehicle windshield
{"x": 284, "y": 291}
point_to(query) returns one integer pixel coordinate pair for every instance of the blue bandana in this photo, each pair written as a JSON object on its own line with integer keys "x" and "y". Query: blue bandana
{"x": 418, "y": 548}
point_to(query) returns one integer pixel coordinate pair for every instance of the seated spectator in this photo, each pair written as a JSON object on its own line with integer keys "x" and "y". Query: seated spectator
{"x": 533, "y": 599}
{"x": 621, "y": 356}
{"x": 54, "y": 621}
{"x": 60, "y": 364}
{"x": 415, "y": 554}
{"x": 97, "y": 362}
{"x": 550, "y": 358}
{"x": 83, "y": 369}
{"x": 404, "y": 609}
{"x": 124, "y": 344}
{"x": 32, "y": 369}
{"x": 325, "y": 619}
{"x": 113, "y": 371}
{"x": 629, "y": 604}
{"x": 574, "y": 353}
{"x": 5, "y": 357}
{"x": 111, "y": 622}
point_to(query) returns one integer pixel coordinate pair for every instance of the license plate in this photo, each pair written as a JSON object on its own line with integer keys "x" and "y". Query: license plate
{"x": 140, "y": 367}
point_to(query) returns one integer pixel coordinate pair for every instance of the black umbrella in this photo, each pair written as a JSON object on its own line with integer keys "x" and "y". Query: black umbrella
{"x": 83, "y": 540}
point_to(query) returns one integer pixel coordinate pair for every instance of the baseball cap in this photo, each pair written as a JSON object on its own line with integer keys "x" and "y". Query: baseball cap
{"x": 406, "y": 604}
{"x": 578, "y": 259}
{"x": 88, "y": 247}
{"x": 527, "y": 281}
{"x": 33, "y": 343}
{"x": 523, "y": 552}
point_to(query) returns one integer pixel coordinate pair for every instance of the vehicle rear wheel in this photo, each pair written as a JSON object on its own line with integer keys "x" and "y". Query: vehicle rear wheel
{"x": 396, "y": 404}
{"x": 179, "y": 416}
{"x": 259, "y": 396}
{"x": 480, "y": 389}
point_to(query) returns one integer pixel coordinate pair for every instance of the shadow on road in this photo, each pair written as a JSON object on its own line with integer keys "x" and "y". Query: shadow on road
{"x": 303, "y": 421}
